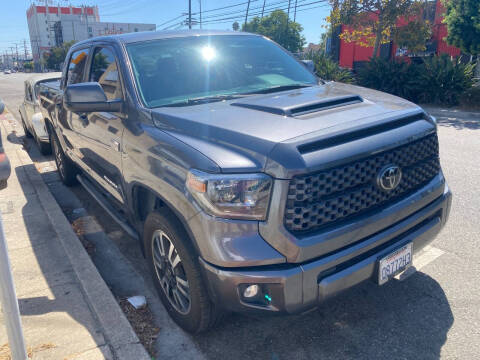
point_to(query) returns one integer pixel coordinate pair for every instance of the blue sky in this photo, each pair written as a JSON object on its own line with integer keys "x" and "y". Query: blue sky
{"x": 310, "y": 14}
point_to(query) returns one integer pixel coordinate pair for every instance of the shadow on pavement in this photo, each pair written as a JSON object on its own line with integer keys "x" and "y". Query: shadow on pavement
{"x": 56, "y": 293}
{"x": 456, "y": 119}
{"x": 407, "y": 320}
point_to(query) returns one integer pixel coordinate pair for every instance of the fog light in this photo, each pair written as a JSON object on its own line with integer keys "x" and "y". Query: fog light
{"x": 251, "y": 291}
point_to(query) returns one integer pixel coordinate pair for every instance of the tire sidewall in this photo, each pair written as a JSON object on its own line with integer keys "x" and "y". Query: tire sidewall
{"x": 56, "y": 148}
{"x": 192, "y": 321}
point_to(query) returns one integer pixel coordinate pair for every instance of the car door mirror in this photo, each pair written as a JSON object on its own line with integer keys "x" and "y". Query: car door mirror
{"x": 2, "y": 107}
{"x": 89, "y": 97}
{"x": 309, "y": 65}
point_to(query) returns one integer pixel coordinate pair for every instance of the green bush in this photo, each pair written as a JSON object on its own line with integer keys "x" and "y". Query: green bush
{"x": 443, "y": 81}
{"x": 438, "y": 79}
{"x": 471, "y": 98}
{"x": 327, "y": 69}
{"x": 394, "y": 77}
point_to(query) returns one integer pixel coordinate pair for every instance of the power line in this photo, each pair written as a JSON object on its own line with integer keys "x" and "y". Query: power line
{"x": 213, "y": 21}
{"x": 272, "y": 6}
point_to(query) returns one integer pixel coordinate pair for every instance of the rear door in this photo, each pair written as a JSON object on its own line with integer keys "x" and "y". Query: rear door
{"x": 102, "y": 131}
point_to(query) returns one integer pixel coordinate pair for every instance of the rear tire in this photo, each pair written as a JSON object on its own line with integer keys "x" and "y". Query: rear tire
{"x": 191, "y": 307}
{"x": 66, "y": 168}
{"x": 44, "y": 147}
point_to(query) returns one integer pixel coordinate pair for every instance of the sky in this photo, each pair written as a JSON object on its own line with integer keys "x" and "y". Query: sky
{"x": 310, "y": 14}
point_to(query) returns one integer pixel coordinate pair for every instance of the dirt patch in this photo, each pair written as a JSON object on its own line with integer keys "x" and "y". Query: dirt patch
{"x": 142, "y": 323}
{"x": 5, "y": 350}
{"x": 80, "y": 228}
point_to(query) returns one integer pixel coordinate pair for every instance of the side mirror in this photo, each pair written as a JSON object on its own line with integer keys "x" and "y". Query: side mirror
{"x": 2, "y": 107}
{"x": 89, "y": 97}
{"x": 309, "y": 65}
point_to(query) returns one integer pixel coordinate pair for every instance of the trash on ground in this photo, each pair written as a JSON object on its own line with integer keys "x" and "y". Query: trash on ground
{"x": 137, "y": 302}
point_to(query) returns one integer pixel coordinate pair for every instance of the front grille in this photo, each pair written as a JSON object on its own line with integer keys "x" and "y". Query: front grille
{"x": 341, "y": 193}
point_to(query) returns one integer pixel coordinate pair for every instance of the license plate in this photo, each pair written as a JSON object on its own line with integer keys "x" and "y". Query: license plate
{"x": 394, "y": 263}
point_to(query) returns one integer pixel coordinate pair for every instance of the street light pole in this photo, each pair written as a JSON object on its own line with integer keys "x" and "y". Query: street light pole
{"x": 9, "y": 301}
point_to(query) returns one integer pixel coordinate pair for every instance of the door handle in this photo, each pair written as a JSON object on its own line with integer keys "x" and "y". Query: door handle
{"x": 83, "y": 119}
{"x": 115, "y": 144}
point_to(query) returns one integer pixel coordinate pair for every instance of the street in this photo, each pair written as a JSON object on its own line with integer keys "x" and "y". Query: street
{"x": 433, "y": 313}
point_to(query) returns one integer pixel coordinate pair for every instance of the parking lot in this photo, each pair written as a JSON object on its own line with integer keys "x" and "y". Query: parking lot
{"x": 433, "y": 313}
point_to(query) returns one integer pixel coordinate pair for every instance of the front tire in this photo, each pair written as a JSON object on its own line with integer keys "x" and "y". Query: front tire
{"x": 176, "y": 273}
{"x": 66, "y": 168}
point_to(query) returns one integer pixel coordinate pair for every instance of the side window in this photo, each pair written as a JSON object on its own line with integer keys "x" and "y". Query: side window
{"x": 27, "y": 93}
{"x": 76, "y": 66}
{"x": 30, "y": 93}
{"x": 104, "y": 71}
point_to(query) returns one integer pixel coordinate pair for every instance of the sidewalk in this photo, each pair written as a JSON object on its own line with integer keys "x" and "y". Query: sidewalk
{"x": 67, "y": 310}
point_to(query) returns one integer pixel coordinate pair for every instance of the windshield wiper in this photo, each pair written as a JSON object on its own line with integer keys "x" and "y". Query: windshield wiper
{"x": 277, "y": 88}
{"x": 203, "y": 100}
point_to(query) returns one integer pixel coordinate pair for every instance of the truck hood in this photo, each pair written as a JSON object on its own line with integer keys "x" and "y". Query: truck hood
{"x": 240, "y": 134}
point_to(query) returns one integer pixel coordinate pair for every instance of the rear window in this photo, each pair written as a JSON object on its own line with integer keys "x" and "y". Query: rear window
{"x": 172, "y": 70}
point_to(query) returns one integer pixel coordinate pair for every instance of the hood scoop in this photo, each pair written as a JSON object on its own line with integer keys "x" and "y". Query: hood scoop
{"x": 279, "y": 105}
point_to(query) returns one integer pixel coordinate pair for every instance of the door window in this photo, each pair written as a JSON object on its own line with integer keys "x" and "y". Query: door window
{"x": 105, "y": 72}
{"x": 76, "y": 66}
{"x": 27, "y": 93}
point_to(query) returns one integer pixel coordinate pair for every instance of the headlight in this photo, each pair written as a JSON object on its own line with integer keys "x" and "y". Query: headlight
{"x": 236, "y": 196}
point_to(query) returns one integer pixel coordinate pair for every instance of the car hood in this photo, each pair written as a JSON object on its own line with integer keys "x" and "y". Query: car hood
{"x": 240, "y": 134}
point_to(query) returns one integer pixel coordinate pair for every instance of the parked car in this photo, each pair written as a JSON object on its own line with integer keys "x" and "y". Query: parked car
{"x": 5, "y": 168}
{"x": 30, "y": 113}
{"x": 250, "y": 184}
{"x": 6, "y": 72}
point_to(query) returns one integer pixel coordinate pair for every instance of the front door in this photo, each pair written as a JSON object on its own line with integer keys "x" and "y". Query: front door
{"x": 73, "y": 122}
{"x": 102, "y": 131}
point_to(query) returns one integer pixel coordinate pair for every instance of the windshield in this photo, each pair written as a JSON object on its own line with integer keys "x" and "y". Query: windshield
{"x": 175, "y": 70}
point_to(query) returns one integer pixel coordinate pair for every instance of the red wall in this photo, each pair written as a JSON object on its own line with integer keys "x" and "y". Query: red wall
{"x": 351, "y": 52}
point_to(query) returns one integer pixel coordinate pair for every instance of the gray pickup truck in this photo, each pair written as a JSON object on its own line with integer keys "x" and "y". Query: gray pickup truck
{"x": 250, "y": 184}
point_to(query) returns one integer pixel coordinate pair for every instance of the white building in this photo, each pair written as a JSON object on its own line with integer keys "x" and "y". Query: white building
{"x": 51, "y": 26}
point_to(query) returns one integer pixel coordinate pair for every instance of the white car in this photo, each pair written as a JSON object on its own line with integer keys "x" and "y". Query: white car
{"x": 32, "y": 119}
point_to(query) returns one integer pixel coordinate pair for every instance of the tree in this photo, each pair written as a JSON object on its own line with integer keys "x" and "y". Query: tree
{"x": 463, "y": 23}
{"x": 279, "y": 28}
{"x": 56, "y": 56}
{"x": 375, "y": 22}
{"x": 28, "y": 65}
{"x": 235, "y": 26}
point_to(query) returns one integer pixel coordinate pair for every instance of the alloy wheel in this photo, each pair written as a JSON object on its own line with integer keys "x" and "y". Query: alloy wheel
{"x": 58, "y": 157}
{"x": 170, "y": 272}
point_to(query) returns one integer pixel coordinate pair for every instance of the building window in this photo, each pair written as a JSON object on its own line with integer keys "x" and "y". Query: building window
{"x": 89, "y": 29}
{"x": 136, "y": 29}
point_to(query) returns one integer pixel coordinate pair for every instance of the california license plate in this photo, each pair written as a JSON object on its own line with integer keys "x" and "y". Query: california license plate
{"x": 394, "y": 263}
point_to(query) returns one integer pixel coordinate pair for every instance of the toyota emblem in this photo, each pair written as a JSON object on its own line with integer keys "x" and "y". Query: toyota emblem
{"x": 389, "y": 177}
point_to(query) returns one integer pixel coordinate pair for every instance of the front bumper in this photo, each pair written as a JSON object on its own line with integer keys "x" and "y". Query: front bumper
{"x": 295, "y": 288}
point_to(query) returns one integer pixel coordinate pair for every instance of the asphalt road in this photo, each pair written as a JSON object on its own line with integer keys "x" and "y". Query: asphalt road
{"x": 433, "y": 313}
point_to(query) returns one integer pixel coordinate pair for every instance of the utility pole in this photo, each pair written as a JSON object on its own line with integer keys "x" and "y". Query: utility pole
{"x": 295, "y": 12}
{"x": 16, "y": 50}
{"x": 288, "y": 12}
{"x": 263, "y": 7}
{"x": 246, "y": 14}
{"x": 200, "y": 2}
{"x": 190, "y": 14}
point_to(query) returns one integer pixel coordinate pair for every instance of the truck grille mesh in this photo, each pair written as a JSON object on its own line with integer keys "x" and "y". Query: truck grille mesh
{"x": 330, "y": 196}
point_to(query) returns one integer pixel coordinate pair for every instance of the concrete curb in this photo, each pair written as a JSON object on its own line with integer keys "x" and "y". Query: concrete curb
{"x": 117, "y": 331}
